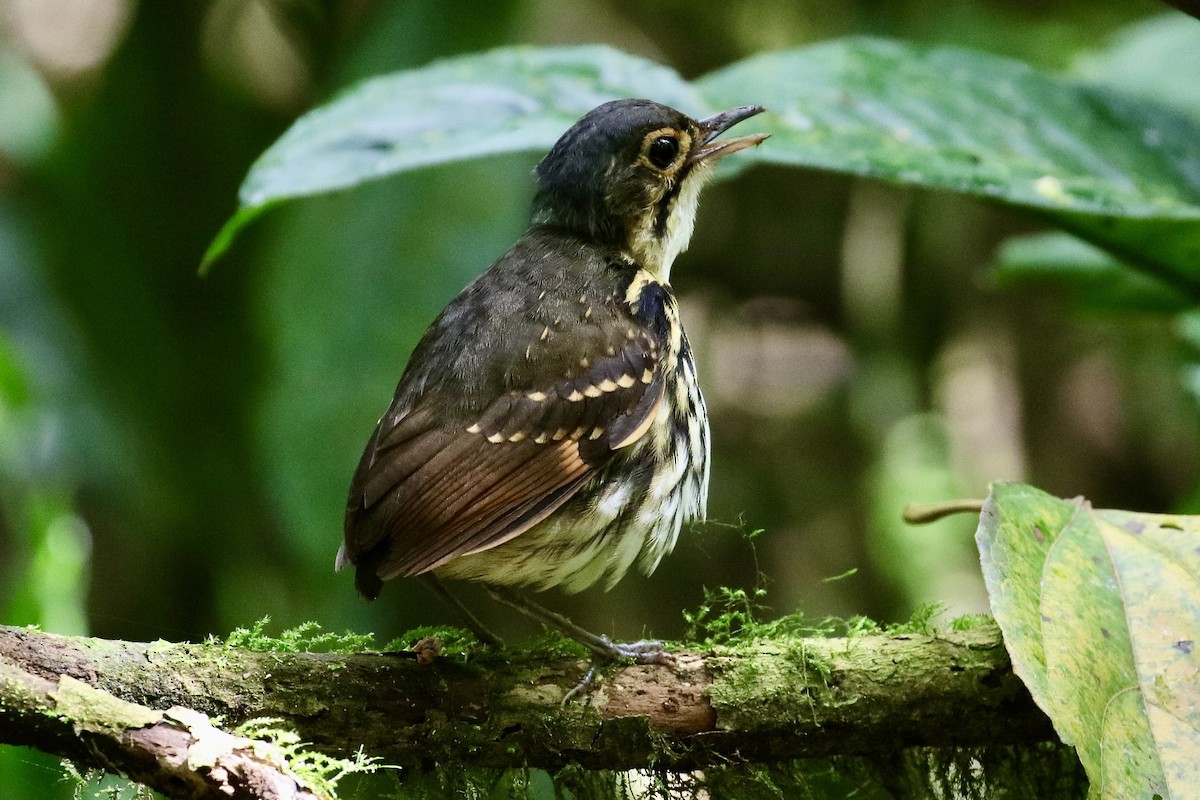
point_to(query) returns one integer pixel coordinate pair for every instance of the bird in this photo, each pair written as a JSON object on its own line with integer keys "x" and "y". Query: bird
{"x": 549, "y": 429}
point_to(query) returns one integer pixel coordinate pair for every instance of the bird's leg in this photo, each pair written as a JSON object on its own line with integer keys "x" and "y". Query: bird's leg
{"x": 643, "y": 652}
{"x": 478, "y": 628}
{"x": 585, "y": 683}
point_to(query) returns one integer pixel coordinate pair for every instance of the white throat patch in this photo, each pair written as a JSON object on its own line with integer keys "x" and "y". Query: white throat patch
{"x": 656, "y": 254}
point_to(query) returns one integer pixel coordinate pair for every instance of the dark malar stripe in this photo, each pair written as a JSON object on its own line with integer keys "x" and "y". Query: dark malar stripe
{"x": 664, "y": 205}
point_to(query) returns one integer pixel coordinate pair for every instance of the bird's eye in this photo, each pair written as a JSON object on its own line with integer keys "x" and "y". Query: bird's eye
{"x": 662, "y": 151}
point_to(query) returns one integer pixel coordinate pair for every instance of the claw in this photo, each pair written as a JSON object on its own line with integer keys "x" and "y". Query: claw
{"x": 584, "y": 684}
{"x": 603, "y": 649}
{"x": 646, "y": 651}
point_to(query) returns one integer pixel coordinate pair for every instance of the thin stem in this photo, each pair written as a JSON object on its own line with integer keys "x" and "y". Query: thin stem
{"x": 924, "y": 513}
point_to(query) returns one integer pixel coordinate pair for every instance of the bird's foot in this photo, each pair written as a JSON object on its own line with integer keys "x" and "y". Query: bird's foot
{"x": 645, "y": 651}
{"x": 584, "y": 685}
{"x": 604, "y": 651}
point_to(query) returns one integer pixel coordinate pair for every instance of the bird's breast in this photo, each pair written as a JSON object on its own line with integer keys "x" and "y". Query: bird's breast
{"x": 631, "y": 510}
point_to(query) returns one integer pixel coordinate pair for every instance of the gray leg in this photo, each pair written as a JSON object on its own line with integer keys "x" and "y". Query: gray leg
{"x": 644, "y": 652}
{"x": 478, "y": 628}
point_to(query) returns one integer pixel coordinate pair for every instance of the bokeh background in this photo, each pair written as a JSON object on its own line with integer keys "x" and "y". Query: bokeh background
{"x": 175, "y": 451}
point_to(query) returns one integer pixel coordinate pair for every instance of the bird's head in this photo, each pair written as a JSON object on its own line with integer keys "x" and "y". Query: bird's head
{"x": 629, "y": 174}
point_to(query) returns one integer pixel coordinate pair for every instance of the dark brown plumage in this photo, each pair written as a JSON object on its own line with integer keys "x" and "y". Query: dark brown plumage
{"x": 548, "y": 429}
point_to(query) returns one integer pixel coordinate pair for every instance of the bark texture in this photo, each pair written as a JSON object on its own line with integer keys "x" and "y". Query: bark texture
{"x": 176, "y": 751}
{"x": 757, "y": 702}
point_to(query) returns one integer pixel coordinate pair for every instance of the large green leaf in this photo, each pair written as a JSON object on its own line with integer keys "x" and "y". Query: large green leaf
{"x": 502, "y": 101}
{"x": 1101, "y": 615}
{"x": 1145, "y": 60}
{"x": 1097, "y": 280}
{"x": 1120, "y": 171}
{"x": 498, "y": 102}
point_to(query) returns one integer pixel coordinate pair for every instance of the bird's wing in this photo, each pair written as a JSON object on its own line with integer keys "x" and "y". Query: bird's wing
{"x": 428, "y": 490}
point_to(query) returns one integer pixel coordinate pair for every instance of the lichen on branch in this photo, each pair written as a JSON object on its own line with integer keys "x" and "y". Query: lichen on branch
{"x": 176, "y": 751}
{"x": 758, "y": 699}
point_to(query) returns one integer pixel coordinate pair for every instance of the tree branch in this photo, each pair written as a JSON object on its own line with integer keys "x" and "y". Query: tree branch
{"x": 771, "y": 700}
{"x": 176, "y": 751}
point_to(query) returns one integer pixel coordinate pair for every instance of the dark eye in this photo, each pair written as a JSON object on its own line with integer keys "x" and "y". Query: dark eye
{"x": 663, "y": 150}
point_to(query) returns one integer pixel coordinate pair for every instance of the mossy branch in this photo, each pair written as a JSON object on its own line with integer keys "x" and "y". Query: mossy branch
{"x": 759, "y": 701}
{"x": 176, "y": 750}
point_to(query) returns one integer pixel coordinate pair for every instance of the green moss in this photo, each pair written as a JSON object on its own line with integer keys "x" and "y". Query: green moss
{"x": 549, "y": 644}
{"x": 730, "y": 616}
{"x": 96, "y": 784}
{"x": 730, "y": 622}
{"x": 318, "y": 771}
{"x": 91, "y": 709}
{"x": 14, "y": 693}
{"x": 920, "y": 622}
{"x": 972, "y": 622}
{"x": 304, "y": 638}
{"x": 461, "y": 645}
{"x": 455, "y": 641}
{"x": 780, "y": 681}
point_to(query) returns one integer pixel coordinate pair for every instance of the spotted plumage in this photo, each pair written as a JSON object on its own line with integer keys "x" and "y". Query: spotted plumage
{"x": 549, "y": 429}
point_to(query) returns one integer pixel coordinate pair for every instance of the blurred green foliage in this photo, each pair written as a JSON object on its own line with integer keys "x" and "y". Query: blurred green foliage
{"x": 174, "y": 452}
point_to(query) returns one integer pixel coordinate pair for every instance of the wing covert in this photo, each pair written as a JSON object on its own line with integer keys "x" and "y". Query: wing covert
{"x": 429, "y": 489}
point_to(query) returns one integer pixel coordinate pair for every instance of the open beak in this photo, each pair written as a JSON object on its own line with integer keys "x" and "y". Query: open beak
{"x": 714, "y": 126}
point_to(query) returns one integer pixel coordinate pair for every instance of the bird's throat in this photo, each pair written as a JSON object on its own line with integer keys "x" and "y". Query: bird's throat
{"x": 663, "y": 231}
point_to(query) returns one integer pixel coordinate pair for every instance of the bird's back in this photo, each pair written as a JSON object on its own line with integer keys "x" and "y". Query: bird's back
{"x": 548, "y": 430}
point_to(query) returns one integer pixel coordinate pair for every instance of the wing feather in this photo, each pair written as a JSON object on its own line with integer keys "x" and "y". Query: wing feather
{"x": 434, "y": 485}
